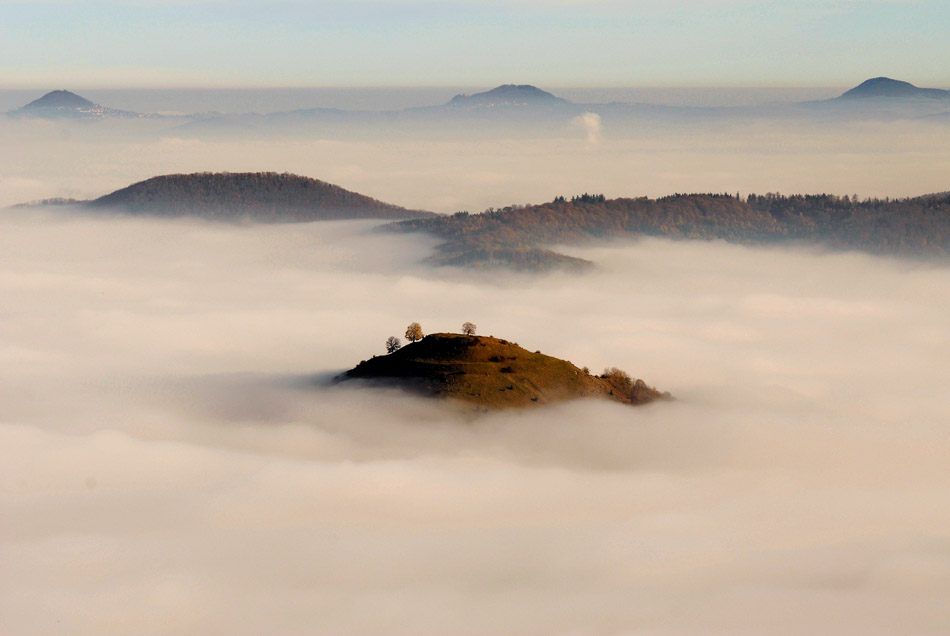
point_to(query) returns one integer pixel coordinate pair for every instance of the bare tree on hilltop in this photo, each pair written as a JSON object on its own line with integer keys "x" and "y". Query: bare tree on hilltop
{"x": 393, "y": 344}
{"x": 468, "y": 328}
{"x": 414, "y": 332}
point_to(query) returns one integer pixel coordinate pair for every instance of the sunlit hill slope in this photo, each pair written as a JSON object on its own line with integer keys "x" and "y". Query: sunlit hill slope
{"x": 493, "y": 373}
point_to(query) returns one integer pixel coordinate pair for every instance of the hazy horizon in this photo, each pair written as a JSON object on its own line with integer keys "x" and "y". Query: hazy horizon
{"x": 446, "y": 167}
{"x": 188, "y": 100}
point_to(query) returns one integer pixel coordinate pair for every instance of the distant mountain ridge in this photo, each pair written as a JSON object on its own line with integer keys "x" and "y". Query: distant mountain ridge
{"x": 887, "y": 87}
{"x": 515, "y": 109}
{"x": 515, "y": 237}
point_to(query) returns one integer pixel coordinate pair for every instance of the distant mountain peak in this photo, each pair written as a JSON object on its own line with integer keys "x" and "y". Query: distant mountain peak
{"x": 60, "y": 99}
{"x": 63, "y": 104}
{"x": 508, "y": 95}
{"x": 519, "y": 90}
{"x": 887, "y": 87}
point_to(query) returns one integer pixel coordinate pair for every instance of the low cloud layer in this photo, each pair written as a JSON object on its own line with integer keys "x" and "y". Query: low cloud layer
{"x": 174, "y": 464}
{"x": 446, "y": 169}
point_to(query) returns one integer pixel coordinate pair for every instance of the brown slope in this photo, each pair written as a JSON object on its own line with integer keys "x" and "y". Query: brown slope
{"x": 492, "y": 373}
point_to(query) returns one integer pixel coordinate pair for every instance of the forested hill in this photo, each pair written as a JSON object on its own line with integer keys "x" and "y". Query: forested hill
{"x": 515, "y": 236}
{"x": 257, "y": 196}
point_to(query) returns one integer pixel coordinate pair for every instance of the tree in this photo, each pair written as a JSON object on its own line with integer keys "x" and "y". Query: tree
{"x": 618, "y": 378}
{"x": 468, "y": 328}
{"x": 393, "y": 344}
{"x": 414, "y": 332}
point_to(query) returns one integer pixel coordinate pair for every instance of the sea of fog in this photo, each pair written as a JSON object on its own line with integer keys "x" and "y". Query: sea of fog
{"x": 465, "y": 167}
{"x": 174, "y": 462}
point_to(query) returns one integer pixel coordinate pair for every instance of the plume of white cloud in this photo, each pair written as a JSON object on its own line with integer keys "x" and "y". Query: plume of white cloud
{"x": 592, "y": 126}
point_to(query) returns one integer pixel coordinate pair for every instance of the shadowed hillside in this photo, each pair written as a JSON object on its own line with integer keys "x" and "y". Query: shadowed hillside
{"x": 492, "y": 373}
{"x": 257, "y": 196}
{"x": 509, "y": 236}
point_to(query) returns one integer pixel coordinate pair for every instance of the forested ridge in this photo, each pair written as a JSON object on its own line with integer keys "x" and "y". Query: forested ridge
{"x": 258, "y": 196}
{"x": 913, "y": 226}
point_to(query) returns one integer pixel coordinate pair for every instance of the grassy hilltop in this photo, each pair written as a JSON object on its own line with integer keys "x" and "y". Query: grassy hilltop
{"x": 494, "y": 374}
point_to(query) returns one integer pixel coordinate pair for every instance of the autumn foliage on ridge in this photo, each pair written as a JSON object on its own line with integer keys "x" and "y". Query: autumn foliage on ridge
{"x": 515, "y": 236}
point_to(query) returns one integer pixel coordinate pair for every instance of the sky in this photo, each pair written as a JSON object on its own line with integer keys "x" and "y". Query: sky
{"x": 260, "y": 43}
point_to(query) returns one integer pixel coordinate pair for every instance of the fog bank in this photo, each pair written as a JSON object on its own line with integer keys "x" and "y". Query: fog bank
{"x": 451, "y": 168}
{"x": 173, "y": 464}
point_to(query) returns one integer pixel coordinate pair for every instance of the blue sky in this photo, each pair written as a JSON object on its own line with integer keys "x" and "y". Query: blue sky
{"x": 458, "y": 42}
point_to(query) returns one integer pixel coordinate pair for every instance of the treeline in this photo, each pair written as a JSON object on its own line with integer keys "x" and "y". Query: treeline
{"x": 919, "y": 225}
{"x": 905, "y": 226}
{"x": 260, "y": 196}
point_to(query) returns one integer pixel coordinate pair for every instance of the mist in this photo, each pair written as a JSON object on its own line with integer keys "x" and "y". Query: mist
{"x": 175, "y": 461}
{"x": 446, "y": 166}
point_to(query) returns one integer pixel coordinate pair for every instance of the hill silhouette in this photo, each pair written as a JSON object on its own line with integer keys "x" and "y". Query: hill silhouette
{"x": 60, "y": 99}
{"x": 258, "y": 196}
{"x": 492, "y": 373}
{"x": 508, "y": 95}
{"x": 65, "y": 104}
{"x": 887, "y": 87}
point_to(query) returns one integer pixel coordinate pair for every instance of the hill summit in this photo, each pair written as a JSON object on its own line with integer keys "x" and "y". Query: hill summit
{"x": 257, "y": 196}
{"x": 65, "y": 104}
{"x": 60, "y": 99}
{"x": 492, "y": 373}
{"x": 508, "y": 95}
{"x": 887, "y": 87}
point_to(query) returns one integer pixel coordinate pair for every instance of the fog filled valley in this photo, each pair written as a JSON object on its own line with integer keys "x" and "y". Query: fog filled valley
{"x": 177, "y": 460}
{"x": 173, "y": 455}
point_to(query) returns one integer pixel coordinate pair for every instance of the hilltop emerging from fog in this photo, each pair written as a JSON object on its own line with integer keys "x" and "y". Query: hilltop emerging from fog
{"x": 266, "y": 197}
{"x": 62, "y": 104}
{"x": 885, "y": 87}
{"x": 492, "y": 373}
{"x": 508, "y": 96}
